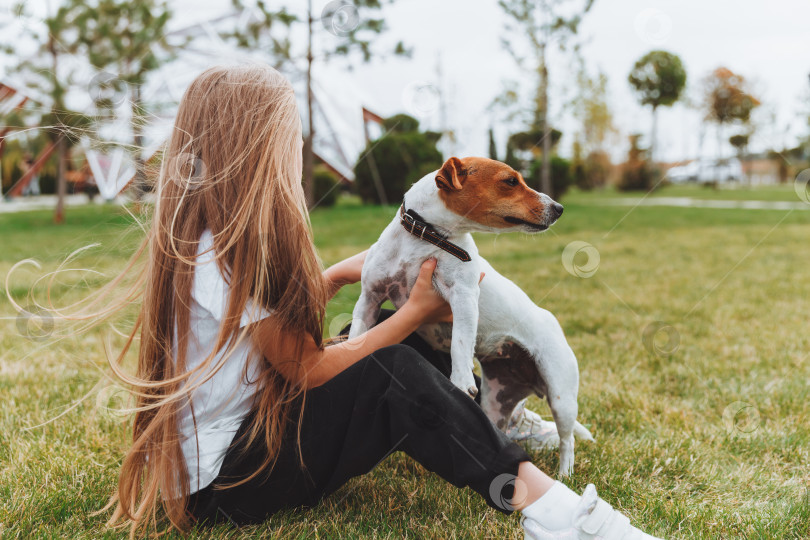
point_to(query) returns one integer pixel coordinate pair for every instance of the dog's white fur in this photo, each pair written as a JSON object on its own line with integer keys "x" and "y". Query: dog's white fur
{"x": 494, "y": 321}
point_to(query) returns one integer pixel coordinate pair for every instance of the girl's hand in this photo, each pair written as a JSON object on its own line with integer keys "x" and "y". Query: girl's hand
{"x": 425, "y": 301}
{"x": 346, "y": 271}
{"x": 428, "y": 305}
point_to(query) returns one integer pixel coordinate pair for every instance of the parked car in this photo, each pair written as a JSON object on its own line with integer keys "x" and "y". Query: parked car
{"x": 720, "y": 171}
{"x": 683, "y": 173}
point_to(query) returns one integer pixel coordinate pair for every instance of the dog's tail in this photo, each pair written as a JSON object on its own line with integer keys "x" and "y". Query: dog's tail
{"x": 581, "y": 432}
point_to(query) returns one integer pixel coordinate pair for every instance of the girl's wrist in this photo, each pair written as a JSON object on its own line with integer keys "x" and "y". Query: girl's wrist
{"x": 410, "y": 314}
{"x": 334, "y": 276}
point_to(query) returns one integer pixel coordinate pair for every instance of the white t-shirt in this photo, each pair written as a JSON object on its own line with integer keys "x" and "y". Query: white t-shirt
{"x": 222, "y": 402}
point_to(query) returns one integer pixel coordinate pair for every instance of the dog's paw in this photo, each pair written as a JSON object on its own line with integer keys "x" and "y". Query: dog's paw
{"x": 465, "y": 382}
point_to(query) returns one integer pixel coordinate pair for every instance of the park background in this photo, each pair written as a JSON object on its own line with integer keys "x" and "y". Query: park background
{"x": 676, "y": 134}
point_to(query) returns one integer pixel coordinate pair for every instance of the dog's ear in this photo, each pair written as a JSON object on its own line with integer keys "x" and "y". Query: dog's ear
{"x": 449, "y": 176}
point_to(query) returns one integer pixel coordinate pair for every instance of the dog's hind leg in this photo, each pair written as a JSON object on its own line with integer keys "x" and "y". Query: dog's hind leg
{"x": 565, "y": 416}
{"x": 561, "y": 385}
{"x": 505, "y": 381}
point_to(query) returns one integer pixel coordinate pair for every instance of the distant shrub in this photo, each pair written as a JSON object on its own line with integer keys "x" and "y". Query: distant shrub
{"x": 402, "y": 156}
{"x": 401, "y": 123}
{"x": 561, "y": 176}
{"x": 595, "y": 170}
{"x": 636, "y": 176}
{"x": 637, "y": 173}
{"x": 325, "y": 187}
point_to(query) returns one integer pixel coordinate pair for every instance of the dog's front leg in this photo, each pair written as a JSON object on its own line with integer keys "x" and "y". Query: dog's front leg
{"x": 365, "y": 313}
{"x": 464, "y": 303}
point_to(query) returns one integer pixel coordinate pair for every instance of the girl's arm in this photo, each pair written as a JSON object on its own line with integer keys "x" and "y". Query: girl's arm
{"x": 424, "y": 306}
{"x": 345, "y": 272}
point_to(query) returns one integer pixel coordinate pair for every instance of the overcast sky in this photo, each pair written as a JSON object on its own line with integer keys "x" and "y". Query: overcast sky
{"x": 765, "y": 41}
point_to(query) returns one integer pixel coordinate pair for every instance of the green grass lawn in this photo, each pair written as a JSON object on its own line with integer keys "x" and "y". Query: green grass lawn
{"x": 710, "y": 441}
{"x": 732, "y": 191}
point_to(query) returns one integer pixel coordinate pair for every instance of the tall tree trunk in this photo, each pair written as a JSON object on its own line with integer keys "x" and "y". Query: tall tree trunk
{"x": 61, "y": 142}
{"x": 653, "y": 134}
{"x": 719, "y": 167}
{"x": 746, "y": 173}
{"x": 309, "y": 155}
{"x": 719, "y": 142}
{"x": 545, "y": 174}
{"x": 139, "y": 184}
{"x": 61, "y": 179}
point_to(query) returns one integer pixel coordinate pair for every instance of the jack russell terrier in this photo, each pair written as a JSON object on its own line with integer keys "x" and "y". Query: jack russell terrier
{"x": 520, "y": 346}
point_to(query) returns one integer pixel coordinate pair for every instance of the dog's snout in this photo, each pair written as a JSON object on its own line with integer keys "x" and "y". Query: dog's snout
{"x": 558, "y": 209}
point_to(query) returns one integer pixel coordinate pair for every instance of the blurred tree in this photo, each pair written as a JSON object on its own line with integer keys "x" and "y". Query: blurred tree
{"x": 578, "y": 166}
{"x": 807, "y": 113}
{"x": 740, "y": 143}
{"x": 561, "y": 174}
{"x": 352, "y": 26}
{"x": 727, "y": 101}
{"x": 400, "y": 123}
{"x": 658, "y": 78}
{"x": 510, "y": 158}
{"x": 46, "y": 73}
{"x": 127, "y": 40}
{"x": 493, "y": 148}
{"x": 591, "y": 109}
{"x": 541, "y": 23}
{"x": 527, "y": 140}
{"x": 598, "y": 168}
{"x": 637, "y": 172}
{"x": 404, "y": 155}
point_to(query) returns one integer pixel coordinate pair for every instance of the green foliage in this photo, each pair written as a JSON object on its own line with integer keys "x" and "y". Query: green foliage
{"x": 510, "y": 158}
{"x": 126, "y": 40}
{"x": 727, "y": 97}
{"x": 401, "y": 123}
{"x": 532, "y": 140}
{"x": 402, "y": 156}
{"x": 534, "y": 26}
{"x": 127, "y": 36}
{"x": 637, "y": 173}
{"x": 340, "y": 30}
{"x": 591, "y": 109}
{"x": 561, "y": 176}
{"x": 595, "y": 170}
{"x": 658, "y": 78}
{"x": 325, "y": 187}
{"x": 45, "y": 73}
{"x": 739, "y": 141}
{"x": 269, "y": 31}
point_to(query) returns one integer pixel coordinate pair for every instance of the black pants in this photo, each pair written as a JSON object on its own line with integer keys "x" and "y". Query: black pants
{"x": 396, "y": 399}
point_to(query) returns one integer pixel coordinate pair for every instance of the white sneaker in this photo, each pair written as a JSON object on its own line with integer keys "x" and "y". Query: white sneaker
{"x": 529, "y": 428}
{"x": 594, "y": 519}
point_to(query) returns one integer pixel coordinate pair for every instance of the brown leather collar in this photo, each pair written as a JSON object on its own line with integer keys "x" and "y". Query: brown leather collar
{"x": 414, "y": 224}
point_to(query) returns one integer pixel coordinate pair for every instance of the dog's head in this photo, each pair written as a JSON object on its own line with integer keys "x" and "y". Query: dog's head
{"x": 494, "y": 196}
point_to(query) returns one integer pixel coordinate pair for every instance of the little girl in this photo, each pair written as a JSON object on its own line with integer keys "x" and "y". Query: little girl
{"x": 242, "y": 409}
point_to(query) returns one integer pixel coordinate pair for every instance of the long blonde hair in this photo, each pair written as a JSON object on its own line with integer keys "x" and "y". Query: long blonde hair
{"x": 233, "y": 166}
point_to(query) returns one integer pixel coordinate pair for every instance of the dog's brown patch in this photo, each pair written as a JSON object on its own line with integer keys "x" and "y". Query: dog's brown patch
{"x": 487, "y": 191}
{"x": 516, "y": 371}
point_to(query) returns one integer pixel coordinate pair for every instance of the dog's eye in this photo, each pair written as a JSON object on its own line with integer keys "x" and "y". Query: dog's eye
{"x": 511, "y": 182}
